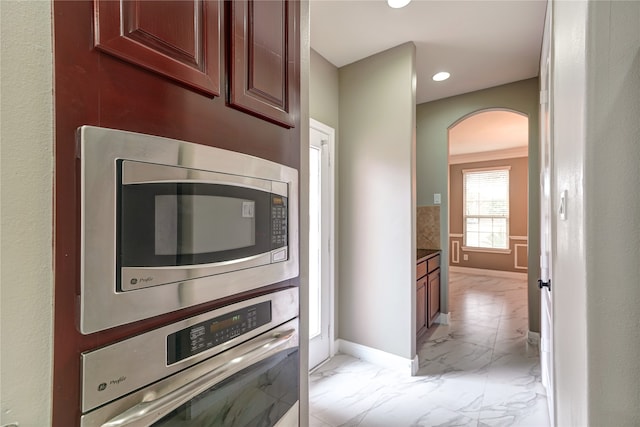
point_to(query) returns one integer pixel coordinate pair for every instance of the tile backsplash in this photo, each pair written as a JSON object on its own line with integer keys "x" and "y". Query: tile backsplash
{"x": 428, "y": 227}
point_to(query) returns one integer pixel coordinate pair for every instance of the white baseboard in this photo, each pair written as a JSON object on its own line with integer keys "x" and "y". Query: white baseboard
{"x": 415, "y": 365}
{"x": 533, "y": 338}
{"x": 486, "y": 272}
{"x": 443, "y": 319}
{"x": 378, "y": 357}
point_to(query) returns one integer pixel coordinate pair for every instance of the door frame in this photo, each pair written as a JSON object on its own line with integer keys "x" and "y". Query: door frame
{"x": 547, "y": 211}
{"x": 330, "y": 132}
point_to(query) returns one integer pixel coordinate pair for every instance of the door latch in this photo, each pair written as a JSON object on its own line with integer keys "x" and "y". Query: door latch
{"x": 542, "y": 284}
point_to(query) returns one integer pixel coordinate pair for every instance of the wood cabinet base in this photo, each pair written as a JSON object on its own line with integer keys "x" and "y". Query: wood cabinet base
{"x": 427, "y": 292}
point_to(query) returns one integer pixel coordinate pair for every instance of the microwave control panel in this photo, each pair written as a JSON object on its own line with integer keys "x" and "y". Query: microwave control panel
{"x": 214, "y": 332}
{"x": 278, "y": 221}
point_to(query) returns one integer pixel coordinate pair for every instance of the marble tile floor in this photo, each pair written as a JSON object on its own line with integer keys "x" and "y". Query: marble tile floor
{"x": 477, "y": 371}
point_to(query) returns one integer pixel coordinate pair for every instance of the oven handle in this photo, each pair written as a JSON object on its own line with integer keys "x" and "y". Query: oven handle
{"x": 139, "y": 414}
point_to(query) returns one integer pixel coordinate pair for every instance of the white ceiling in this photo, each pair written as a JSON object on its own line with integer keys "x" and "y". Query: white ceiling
{"x": 493, "y": 131}
{"x": 481, "y": 43}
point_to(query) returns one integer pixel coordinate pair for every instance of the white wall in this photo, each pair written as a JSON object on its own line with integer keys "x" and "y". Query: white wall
{"x": 305, "y": 61}
{"x": 26, "y": 278}
{"x": 596, "y": 292}
{"x": 569, "y": 271}
{"x": 377, "y": 202}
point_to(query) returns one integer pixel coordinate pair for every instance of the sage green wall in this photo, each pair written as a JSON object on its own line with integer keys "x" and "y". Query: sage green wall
{"x": 324, "y": 102}
{"x": 377, "y": 202}
{"x": 433, "y": 120}
{"x": 323, "y": 91}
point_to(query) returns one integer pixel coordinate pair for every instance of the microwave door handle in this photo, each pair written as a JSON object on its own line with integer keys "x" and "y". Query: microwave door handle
{"x": 145, "y": 413}
{"x": 250, "y": 183}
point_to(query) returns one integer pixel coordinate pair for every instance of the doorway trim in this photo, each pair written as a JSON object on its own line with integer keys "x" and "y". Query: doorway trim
{"x": 547, "y": 223}
{"x": 330, "y": 144}
{"x": 504, "y": 155}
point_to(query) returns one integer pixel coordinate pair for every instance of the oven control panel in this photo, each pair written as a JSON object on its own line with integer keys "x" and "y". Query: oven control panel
{"x": 214, "y": 332}
{"x": 116, "y": 370}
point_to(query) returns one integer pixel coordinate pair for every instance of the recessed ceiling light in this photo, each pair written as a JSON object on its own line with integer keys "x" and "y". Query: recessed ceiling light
{"x": 397, "y": 4}
{"x": 442, "y": 75}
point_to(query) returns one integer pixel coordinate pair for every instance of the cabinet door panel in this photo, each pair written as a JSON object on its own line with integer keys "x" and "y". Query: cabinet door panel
{"x": 434, "y": 296}
{"x": 421, "y": 306}
{"x": 433, "y": 263}
{"x": 421, "y": 270}
{"x": 262, "y": 63}
{"x": 177, "y": 39}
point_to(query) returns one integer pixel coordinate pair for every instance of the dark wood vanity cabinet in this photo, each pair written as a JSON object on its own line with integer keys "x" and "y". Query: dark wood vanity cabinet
{"x": 427, "y": 290}
{"x": 421, "y": 305}
{"x": 433, "y": 296}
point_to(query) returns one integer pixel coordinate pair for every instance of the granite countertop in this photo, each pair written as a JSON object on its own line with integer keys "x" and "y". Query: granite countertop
{"x": 423, "y": 254}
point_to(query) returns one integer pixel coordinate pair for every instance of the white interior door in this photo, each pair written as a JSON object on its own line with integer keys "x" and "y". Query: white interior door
{"x": 546, "y": 212}
{"x": 321, "y": 207}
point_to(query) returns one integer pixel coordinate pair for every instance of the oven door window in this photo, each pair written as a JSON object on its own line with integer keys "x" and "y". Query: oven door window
{"x": 175, "y": 224}
{"x": 257, "y": 396}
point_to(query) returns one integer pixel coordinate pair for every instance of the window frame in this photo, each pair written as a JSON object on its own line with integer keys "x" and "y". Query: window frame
{"x": 465, "y": 246}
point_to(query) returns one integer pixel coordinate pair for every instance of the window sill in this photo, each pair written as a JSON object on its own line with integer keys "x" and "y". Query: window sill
{"x": 486, "y": 250}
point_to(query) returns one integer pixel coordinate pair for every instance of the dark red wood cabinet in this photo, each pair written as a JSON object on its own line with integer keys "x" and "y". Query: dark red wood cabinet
{"x": 262, "y": 59}
{"x": 177, "y": 39}
{"x": 181, "y": 40}
{"x": 162, "y": 68}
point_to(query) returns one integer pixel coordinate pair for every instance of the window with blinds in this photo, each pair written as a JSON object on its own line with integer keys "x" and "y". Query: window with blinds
{"x": 486, "y": 208}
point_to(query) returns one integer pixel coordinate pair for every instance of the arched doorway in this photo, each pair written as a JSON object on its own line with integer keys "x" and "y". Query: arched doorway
{"x": 488, "y": 192}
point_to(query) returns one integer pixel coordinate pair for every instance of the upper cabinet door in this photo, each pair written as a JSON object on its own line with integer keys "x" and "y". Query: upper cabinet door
{"x": 177, "y": 39}
{"x": 263, "y": 57}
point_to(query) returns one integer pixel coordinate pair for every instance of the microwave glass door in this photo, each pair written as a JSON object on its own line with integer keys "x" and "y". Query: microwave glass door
{"x": 197, "y": 223}
{"x": 174, "y": 224}
{"x": 177, "y": 224}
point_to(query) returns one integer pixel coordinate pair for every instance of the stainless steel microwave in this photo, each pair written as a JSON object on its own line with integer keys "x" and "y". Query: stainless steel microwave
{"x": 167, "y": 224}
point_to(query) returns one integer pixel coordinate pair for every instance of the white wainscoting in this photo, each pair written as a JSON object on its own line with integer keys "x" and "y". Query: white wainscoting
{"x": 455, "y": 251}
{"x": 516, "y": 248}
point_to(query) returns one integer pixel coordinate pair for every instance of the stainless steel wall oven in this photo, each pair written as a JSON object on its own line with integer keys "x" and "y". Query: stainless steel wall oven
{"x": 234, "y": 366}
{"x": 167, "y": 224}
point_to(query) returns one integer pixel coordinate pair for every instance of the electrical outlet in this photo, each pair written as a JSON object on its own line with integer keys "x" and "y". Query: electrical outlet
{"x": 465, "y": 257}
{"x": 437, "y": 198}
